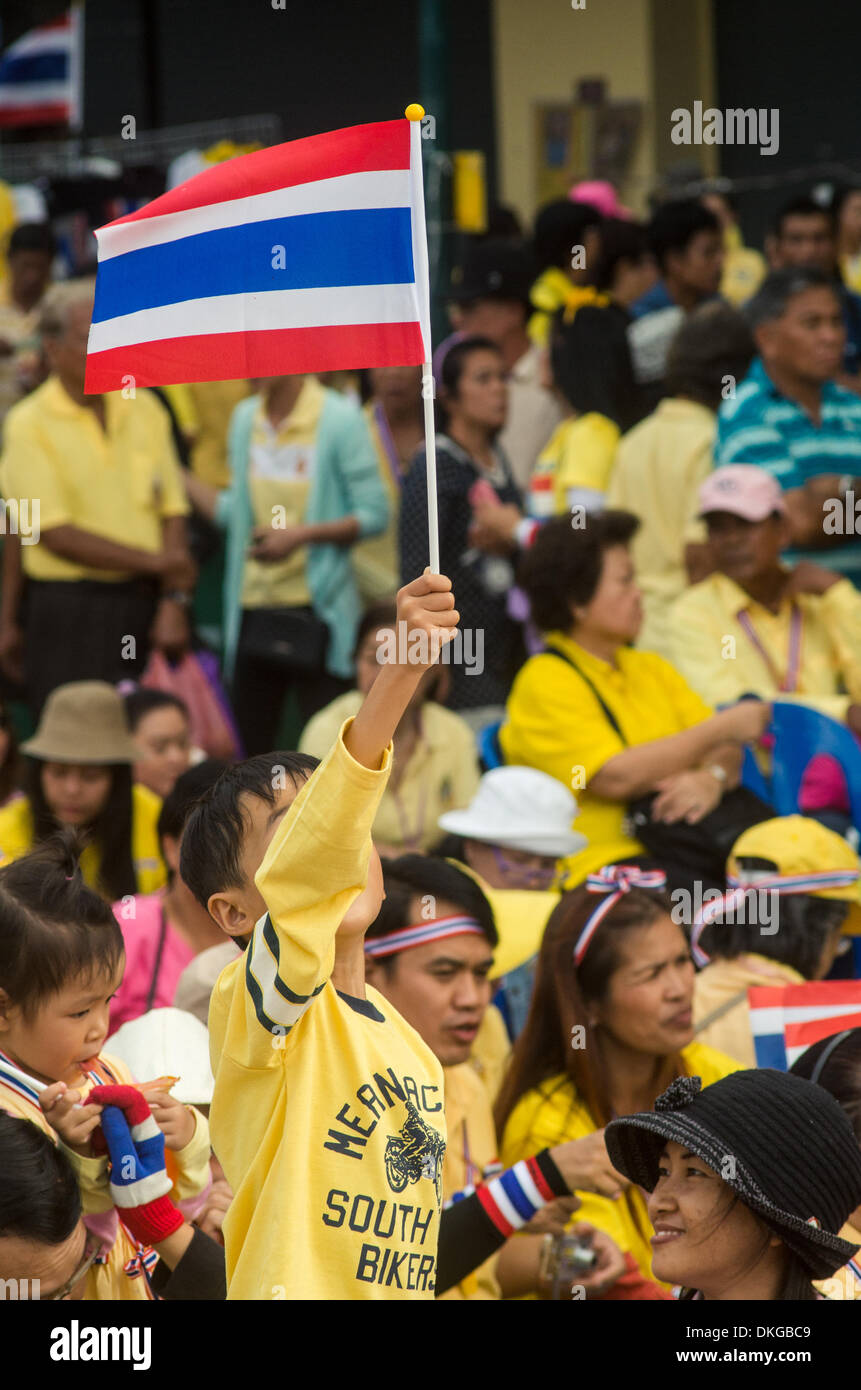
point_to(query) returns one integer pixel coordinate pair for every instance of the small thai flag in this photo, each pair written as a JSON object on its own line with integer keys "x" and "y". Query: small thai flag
{"x": 40, "y": 75}
{"x": 776, "y": 1013}
{"x": 305, "y": 257}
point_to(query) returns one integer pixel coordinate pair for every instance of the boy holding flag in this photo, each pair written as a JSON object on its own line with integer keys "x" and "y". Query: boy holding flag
{"x": 327, "y": 1114}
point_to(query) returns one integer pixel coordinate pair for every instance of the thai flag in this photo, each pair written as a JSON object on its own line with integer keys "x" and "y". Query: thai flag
{"x": 786, "y": 1019}
{"x": 40, "y": 75}
{"x": 304, "y": 257}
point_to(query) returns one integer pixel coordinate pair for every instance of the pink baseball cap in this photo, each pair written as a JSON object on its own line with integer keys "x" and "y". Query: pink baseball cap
{"x": 742, "y": 489}
{"x": 599, "y": 194}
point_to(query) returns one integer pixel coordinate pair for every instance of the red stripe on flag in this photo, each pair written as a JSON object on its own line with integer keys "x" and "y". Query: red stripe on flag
{"x": 47, "y": 113}
{"x": 266, "y": 352}
{"x": 501, "y": 1222}
{"x": 357, "y": 149}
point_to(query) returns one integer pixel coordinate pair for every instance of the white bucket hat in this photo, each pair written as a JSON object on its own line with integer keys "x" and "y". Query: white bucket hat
{"x": 167, "y": 1042}
{"x": 519, "y": 808}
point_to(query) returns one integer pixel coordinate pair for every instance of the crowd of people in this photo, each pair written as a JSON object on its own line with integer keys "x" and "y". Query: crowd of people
{"x": 430, "y": 1006}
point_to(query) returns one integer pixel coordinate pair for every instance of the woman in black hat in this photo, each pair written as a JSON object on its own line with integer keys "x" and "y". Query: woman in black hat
{"x": 750, "y": 1181}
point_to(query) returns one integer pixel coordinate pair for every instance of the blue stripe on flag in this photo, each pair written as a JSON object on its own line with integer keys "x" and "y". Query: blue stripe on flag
{"x": 370, "y": 246}
{"x": 770, "y": 1050}
{"x": 516, "y": 1196}
{"x": 35, "y": 67}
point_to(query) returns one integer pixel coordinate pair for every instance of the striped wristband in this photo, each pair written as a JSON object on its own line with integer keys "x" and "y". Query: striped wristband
{"x": 512, "y": 1199}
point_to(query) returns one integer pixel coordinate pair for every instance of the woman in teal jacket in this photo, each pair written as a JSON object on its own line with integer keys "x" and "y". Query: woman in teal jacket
{"x": 305, "y": 486}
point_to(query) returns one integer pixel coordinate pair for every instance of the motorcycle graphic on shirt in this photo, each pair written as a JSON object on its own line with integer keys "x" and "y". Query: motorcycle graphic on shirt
{"x": 417, "y": 1152}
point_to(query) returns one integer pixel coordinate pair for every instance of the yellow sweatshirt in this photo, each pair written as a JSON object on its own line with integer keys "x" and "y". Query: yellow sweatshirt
{"x": 554, "y": 1114}
{"x": 470, "y": 1158}
{"x": 328, "y": 1111}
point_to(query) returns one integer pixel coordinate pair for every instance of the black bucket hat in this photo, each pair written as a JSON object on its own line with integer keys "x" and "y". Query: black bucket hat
{"x": 495, "y": 268}
{"x": 797, "y": 1162}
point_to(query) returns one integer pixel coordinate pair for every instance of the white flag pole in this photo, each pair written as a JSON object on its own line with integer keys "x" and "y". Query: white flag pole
{"x": 415, "y": 114}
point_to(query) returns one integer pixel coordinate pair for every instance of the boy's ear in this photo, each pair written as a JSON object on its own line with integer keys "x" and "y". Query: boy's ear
{"x": 229, "y": 915}
{"x": 170, "y": 847}
{"x": 6, "y": 1007}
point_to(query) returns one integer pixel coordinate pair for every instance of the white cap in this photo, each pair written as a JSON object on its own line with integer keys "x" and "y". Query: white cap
{"x": 167, "y": 1042}
{"x": 519, "y": 808}
{"x": 197, "y": 981}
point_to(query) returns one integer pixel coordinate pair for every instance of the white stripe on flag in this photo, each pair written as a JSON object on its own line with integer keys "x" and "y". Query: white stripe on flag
{"x": 384, "y": 188}
{"x": 766, "y": 1021}
{"x": 332, "y": 306}
{"x": 40, "y": 41}
{"x": 804, "y": 1013}
{"x": 13, "y": 95}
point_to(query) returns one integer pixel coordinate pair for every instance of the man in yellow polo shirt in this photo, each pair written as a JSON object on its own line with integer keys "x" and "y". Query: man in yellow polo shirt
{"x": 106, "y": 567}
{"x": 756, "y": 627}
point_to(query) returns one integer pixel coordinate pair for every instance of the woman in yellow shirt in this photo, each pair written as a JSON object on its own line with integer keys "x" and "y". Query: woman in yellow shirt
{"x": 79, "y": 775}
{"x": 610, "y": 1027}
{"x": 610, "y": 722}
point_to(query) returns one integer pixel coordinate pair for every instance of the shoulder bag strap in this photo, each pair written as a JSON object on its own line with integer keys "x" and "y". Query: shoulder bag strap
{"x": 608, "y": 713}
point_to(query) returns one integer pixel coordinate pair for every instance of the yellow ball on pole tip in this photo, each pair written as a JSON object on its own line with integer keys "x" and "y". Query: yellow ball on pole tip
{"x": 414, "y": 112}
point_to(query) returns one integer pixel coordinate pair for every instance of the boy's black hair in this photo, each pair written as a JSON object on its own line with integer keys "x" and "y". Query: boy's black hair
{"x": 412, "y": 876}
{"x": 676, "y": 223}
{"x": 185, "y": 794}
{"x": 53, "y": 928}
{"x": 804, "y": 925}
{"x": 139, "y": 703}
{"x": 111, "y": 831}
{"x": 803, "y": 206}
{"x": 33, "y": 236}
{"x": 39, "y": 1196}
{"x": 215, "y": 829}
{"x": 559, "y": 227}
{"x": 563, "y": 566}
{"x": 621, "y": 240}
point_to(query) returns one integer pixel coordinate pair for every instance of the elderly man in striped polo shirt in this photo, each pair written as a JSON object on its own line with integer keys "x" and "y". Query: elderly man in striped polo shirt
{"x": 790, "y": 417}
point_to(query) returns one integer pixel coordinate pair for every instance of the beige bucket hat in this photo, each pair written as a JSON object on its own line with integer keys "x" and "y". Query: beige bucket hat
{"x": 83, "y": 722}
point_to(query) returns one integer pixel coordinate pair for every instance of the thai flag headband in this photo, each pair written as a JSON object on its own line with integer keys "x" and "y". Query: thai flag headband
{"x": 421, "y": 933}
{"x": 786, "y": 885}
{"x": 615, "y": 880}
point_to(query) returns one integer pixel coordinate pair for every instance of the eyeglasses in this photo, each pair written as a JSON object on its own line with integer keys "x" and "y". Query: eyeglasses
{"x": 91, "y": 1253}
{"x": 528, "y": 875}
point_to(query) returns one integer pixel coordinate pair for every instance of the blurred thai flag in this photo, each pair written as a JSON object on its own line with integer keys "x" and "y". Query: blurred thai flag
{"x": 787, "y": 1019}
{"x": 40, "y": 75}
